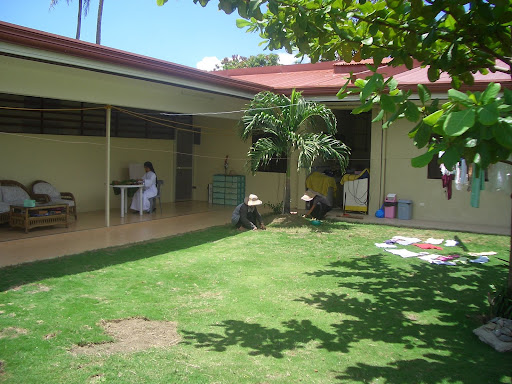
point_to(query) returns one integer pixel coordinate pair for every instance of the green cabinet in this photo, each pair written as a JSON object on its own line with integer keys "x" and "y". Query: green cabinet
{"x": 228, "y": 189}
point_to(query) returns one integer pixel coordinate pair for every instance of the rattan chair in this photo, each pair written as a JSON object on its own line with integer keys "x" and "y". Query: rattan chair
{"x": 41, "y": 187}
{"x": 4, "y": 216}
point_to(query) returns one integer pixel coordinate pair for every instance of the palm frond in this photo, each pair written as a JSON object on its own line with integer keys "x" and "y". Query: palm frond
{"x": 322, "y": 145}
{"x": 262, "y": 152}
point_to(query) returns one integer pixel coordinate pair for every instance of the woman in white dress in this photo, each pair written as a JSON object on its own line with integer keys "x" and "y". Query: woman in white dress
{"x": 149, "y": 190}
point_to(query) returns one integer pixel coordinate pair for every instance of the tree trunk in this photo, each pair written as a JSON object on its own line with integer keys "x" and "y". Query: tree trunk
{"x": 98, "y": 25}
{"x": 79, "y": 21}
{"x": 287, "y": 194}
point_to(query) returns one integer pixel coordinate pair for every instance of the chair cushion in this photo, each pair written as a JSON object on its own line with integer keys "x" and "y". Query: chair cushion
{"x": 47, "y": 189}
{"x": 12, "y": 194}
{"x": 71, "y": 203}
{"x": 4, "y": 207}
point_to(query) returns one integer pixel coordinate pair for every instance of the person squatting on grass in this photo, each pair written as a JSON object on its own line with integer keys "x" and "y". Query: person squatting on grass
{"x": 246, "y": 215}
{"x": 319, "y": 204}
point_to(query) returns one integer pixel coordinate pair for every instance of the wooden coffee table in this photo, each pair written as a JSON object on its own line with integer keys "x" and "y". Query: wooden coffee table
{"x": 42, "y": 215}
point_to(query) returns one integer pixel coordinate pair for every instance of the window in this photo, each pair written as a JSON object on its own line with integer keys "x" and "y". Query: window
{"x": 73, "y": 118}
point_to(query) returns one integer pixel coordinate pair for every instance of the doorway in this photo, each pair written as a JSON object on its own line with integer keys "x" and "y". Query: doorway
{"x": 184, "y": 165}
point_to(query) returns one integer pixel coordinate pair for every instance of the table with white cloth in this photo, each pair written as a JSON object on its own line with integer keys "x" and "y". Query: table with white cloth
{"x": 124, "y": 196}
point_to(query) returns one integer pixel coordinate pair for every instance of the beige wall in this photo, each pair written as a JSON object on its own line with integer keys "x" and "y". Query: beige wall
{"x": 428, "y": 196}
{"x": 77, "y": 164}
{"x": 220, "y": 138}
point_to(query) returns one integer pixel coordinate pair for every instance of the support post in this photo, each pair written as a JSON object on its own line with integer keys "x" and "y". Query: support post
{"x": 107, "y": 166}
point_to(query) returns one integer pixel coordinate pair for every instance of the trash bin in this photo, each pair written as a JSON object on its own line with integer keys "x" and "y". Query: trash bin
{"x": 404, "y": 209}
{"x": 390, "y": 204}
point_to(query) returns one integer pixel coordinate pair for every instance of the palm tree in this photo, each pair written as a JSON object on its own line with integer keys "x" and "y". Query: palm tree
{"x": 83, "y": 5}
{"x": 289, "y": 124}
{"x": 98, "y": 23}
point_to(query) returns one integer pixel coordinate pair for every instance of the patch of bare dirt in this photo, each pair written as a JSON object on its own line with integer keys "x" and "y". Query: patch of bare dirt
{"x": 132, "y": 335}
{"x": 12, "y": 332}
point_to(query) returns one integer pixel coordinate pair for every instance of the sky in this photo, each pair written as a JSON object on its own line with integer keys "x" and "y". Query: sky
{"x": 180, "y": 31}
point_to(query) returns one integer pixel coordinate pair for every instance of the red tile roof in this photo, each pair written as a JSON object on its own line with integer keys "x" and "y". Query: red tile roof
{"x": 326, "y": 78}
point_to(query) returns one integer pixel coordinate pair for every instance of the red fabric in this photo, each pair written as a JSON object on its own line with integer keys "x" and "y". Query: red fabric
{"x": 447, "y": 185}
{"x": 427, "y": 246}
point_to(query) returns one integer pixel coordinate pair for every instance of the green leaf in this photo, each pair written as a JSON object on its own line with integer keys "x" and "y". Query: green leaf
{"x": 379, "y": 117}
{"x": 423, "y": 93}
{"x": 422, "y": 136}
{"x": 432, "y": 118}
{"x": 422, "y": 160}
{"x": 457, "y": 123}
{"x": 341, "y": 93}
{"x": 367, "y": 41}
{"x": 458, "y": 96}
{"x": 488, "y": 114}
{"x": 503, "y": 134}
{"x": 369, "y": 87}
{"x": 433, "y": 74}
{"x": 490, "y": 93}
{"x": 241, "y": 23}
{"x": 412, "y": 113}
{"x": 363, "y": 108}
{"x": 507, "y": 95}
{"x": 450, "y": 157}
{"x": 387, "y": 103}
{"x": 160, "y": 2}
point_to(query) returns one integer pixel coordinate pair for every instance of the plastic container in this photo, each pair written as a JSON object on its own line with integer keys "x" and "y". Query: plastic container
{"x": 405, "y": 209}
{"x": 390, "y": 204}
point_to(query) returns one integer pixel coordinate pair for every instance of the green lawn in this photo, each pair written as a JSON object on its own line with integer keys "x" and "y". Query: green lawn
{"x": 293, "y": 304}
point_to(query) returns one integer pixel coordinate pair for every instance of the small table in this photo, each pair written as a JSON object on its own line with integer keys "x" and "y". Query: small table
{"x": 41, "y": 215}
{"x": 124, "y": 197}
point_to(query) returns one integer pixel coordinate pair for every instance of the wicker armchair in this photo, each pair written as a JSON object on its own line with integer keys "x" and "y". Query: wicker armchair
{"x": 13, "y": 196}
{"x": 43, "y": 188}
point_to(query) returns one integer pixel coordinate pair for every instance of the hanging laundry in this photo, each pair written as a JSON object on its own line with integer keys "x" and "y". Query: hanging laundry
{"x": 447, "y": 185}
{"x": 427, "y": 246}
{"x": 461, "y": 175}
{"x": 477, "y": 185}
{"x": 431, "y": 240}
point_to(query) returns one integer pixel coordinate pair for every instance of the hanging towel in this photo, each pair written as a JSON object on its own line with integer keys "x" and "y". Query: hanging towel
{"x": 477, "y": 185}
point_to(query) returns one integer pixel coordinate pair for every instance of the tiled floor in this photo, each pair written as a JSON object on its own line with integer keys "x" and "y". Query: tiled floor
{"x": 89, "y": 231}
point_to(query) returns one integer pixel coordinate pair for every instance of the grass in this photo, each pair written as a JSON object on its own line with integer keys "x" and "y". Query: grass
{"x": 293, "y": 304}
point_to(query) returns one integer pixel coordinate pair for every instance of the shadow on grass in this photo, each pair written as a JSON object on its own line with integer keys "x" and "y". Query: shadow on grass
{"x": 417, "y": 319}
{"x": 16, "y": 275}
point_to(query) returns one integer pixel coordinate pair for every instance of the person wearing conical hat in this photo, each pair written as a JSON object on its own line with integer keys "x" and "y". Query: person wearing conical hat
{"x": 318, "y": 203}
{"x": 246, "y": 215}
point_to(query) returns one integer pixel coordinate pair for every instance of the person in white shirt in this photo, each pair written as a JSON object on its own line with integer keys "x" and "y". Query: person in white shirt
{"x": 148, "y": 191}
